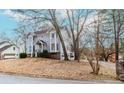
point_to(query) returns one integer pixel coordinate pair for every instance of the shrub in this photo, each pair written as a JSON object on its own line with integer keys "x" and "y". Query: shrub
{"x": 45, "y": 54}
{"x": 22, "y": 55}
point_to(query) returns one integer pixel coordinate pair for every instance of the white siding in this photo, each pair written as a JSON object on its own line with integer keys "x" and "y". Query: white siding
{"x": 29, "y": 44}
{"x": 54, "y": 41}
{"x": 47, "y": 37}
{"x": 10, "y": 51}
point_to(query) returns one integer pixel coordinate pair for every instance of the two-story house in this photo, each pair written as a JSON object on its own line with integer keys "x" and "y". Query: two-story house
{"x": 47, "y": 39}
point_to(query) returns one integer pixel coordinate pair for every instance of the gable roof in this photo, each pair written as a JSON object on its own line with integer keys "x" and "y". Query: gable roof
{"x": 43, "y": 31}
{"x": 38, "y": 32}
{"x": 5, "y": 47}
{"x": 2, "y": 42}
{"x": 38, "y": 42}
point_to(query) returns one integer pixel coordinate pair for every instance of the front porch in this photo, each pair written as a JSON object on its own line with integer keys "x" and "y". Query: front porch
{"x": 39, "y": 47}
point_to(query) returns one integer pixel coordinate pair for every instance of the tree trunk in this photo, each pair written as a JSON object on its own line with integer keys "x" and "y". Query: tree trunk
{"x": 116, "y": 33}
{"x": 77, "y": 57}
{"x": 95, "y": 66}
{"x": 117, "y": 55}
{"x": 97, "y": 49}
{"x": 62, "y": 41}
{"x": 106, "y": 59}
{"x": 57, "y": 28}
{"x": 64, "y": 48}
{"x": 91, "y": 64}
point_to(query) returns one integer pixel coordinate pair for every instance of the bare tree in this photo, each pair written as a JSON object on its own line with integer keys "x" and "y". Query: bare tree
{"x": 54, "y": 22}
{"x": 21, "y": 33}
{"x": 94, "y": 51}
{"x": 76, "y": 20}
{"x": 117, "y": 17}
{"x": 106, "y": 46}
{"x": 116, "y": 20}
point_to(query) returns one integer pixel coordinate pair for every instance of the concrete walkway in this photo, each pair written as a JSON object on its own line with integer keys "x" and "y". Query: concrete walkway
{"x": 14, "y": 79}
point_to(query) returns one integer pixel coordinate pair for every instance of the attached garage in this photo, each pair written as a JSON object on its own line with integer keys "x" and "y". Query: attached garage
{"x": 9, "y": 55}
{"x": 9, "y": 52}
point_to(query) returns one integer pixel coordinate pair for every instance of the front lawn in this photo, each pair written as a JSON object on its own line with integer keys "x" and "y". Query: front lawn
{"x": 41, "y": 67}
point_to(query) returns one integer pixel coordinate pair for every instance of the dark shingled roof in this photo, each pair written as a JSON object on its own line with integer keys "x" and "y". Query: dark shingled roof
{"x": 2, "y": 42}
{"x": 41, "y": 41}
{"x": 38, "y": 32}
{"x": 41, "y": 32}
{"x": 5, "y": 47}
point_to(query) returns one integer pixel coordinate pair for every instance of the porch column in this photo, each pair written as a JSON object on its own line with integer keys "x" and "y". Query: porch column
{"x": 35, "y": 50}
{"x": 55, "y": 43}
{"x": 50, "y": 41}
{"x": 32, "y": 47}
{"x": 42, "y": 47}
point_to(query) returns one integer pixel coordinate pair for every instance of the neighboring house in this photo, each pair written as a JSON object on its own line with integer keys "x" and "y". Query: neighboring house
{"x": 47, "y": 40}
{"x": 8, "y": 50}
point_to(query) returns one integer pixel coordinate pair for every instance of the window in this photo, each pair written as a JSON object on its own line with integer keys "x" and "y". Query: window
{"x": 52, "y": 46}
{"x": 29, "y": 48}
{"x": 57, "y": 46}
{"x": 72, "y": 49}
{"x": 9, "y": 54}
{"x": 53, "y": 35}
{"x": 14, "y": 48}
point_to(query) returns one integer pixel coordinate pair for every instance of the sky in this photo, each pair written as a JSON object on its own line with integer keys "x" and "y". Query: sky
{"x": 7, "y": 24}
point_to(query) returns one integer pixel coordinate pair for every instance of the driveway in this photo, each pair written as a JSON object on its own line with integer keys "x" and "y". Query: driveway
{"x": 108, "y": 65}
{"x": 14, "y": 79}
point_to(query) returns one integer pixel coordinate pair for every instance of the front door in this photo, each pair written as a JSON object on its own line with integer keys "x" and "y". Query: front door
{"x": 39, "y": 48}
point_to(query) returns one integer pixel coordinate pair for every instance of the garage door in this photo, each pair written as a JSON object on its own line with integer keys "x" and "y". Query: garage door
{"x": 6, "y": 56}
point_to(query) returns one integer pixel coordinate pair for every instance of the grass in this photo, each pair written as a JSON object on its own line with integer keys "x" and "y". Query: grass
{"x": 41, "y": 67}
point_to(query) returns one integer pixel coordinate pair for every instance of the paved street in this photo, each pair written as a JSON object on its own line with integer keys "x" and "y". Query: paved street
{"x": 14, "y": 79}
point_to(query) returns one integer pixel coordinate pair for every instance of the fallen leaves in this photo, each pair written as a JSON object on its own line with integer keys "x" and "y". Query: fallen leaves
{"x": 41, "y": 67}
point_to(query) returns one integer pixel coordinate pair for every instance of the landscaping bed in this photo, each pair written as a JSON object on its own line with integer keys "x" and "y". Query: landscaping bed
{"x": 50, "y": 68}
